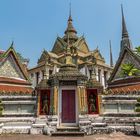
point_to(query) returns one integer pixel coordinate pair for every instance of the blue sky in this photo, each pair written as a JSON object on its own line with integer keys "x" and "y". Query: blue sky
{"x": 35, "y": 24}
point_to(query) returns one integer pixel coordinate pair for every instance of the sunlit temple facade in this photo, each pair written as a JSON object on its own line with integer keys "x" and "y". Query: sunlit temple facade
{"x": 71, "y": 90}
{"x": 70, "y": 78}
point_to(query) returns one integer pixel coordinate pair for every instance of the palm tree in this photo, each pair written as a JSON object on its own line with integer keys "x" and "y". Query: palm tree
{"x": 129, "y": 69}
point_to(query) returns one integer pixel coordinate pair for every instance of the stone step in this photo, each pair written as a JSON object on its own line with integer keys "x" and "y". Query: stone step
{"x": 100, "y": 128}
{"x": 16, "y": 129}
{"x": 99, "y": 124}
{"x": 68, "y": 129}
{"x": 67, "y": 134}
{"x": 17, "y": 124}
{"x": 98, "y": 120}
{"x": 17, "y": 119}
{"x": 83, "y": 123}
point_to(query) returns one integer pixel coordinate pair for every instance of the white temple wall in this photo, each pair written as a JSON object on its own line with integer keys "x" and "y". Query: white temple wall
{"x": 110, "y": 108}
{"x": 119, "y": 108}
{"x": 122, "y": 104}
{"x": 18, "y": 109}
{"x": 18, "y": 105}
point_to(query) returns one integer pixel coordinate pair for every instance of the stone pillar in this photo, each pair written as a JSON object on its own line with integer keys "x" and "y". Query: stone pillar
{"x": 85, "y": 100}
{"x": 96, "y": 69}
{"x": 54, "y": 69}
{"x": 82, "y": 98}
{"x": 102, "y": 78}
{"x": 34, "y": 80}
{"x": 54, "y": 97}
{"x": 107, "y": 75}
{"x": 100, "y": 104}
{"x": 38, "y": 103}
{"x": 79, "y": 99}
{"x": 52, "y": 101}
{"x": 55, "y": 90}
{"x": 40, "y": 76}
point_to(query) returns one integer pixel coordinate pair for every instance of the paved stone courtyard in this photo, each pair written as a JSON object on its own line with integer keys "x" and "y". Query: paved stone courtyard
{"x": 114, "y": 136}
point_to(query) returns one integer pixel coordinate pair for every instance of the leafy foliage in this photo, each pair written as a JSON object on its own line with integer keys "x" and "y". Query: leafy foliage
{"x": 137, "y": 50}
{"x": 1, "y": 107}
{"x": 129, "y": 69}
{"x": 137, "y": 106}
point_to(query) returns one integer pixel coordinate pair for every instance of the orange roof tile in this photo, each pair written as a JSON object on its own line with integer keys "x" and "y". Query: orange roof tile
{"x": 126, "y": 88}
{"x": 16, "y": 89}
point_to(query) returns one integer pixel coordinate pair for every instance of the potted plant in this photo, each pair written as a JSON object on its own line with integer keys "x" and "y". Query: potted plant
{"x": 137, "y": 109}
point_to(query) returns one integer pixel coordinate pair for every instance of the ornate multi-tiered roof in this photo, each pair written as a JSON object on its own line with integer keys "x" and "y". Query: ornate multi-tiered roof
{"x": 119, "y": 83}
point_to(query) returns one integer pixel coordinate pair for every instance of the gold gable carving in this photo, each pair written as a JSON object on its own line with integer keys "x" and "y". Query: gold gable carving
{"x": 43, "y": 57}
{"x": 59, "y": 46}
{"x": 83, "y": 47}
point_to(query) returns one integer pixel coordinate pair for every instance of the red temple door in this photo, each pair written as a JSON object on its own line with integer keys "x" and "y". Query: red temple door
{"x": 68, "y": 106}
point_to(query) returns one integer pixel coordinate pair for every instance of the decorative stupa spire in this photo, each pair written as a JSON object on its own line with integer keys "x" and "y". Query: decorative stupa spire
{"x": 12, "y": 44}
{"x": 68, "y": 52}
{"x": 111, "y": 57}
{"x": 124, "y": 29}
{"x": 125, "y": 42}
{"x": 70, "y": 28}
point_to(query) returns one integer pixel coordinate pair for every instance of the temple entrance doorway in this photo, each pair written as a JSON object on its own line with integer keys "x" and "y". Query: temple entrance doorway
{"x": 44, "y": 102}
{"x": 68, "y": 107}
{"x": 92, "y": 100}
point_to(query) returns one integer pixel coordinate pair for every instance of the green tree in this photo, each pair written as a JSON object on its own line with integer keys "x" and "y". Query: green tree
{"x": 129, "y": 69}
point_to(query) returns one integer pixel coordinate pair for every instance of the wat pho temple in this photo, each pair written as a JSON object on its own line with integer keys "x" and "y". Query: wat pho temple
{"x": 71, "y": 90}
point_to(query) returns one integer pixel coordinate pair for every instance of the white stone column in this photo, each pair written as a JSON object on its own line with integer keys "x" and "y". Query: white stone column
{"x": 107, "y": 75}
{"x": 34, "y": 80}
{"x": 57, "y": 70}
{"x": 102, "y": 77}
{"x": 96, "y": 69}
{"x": 54, "y": 69}
{"x": 40, "y": 76}
{"x": 86, "y": 70}
{"x": 46, "y": 73}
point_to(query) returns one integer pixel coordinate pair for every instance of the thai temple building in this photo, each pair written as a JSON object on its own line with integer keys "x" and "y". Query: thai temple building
{"x": 15, "y": 87}
{"x": 71, "y": 91}
{"x": 70, "y": 78}
{"x": 124, "y": 82}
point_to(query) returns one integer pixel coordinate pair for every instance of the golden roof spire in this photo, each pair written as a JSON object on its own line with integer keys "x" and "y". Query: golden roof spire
{"x": 68, "y": 52}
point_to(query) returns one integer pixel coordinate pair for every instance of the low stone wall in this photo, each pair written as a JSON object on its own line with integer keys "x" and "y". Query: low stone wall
{"x": 18, "y": 105}
{"x": 88, "y": 124}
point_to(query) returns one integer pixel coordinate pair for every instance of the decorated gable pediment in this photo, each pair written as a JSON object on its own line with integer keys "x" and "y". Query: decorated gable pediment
{"x": 127, "y": 65}
{"x": 82, "y": 45}
{"x": 44, "y": 56}
{"x": 59, "y": 46}
{"x": 9, "y": 68}
{"x": 98, "y": 55}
